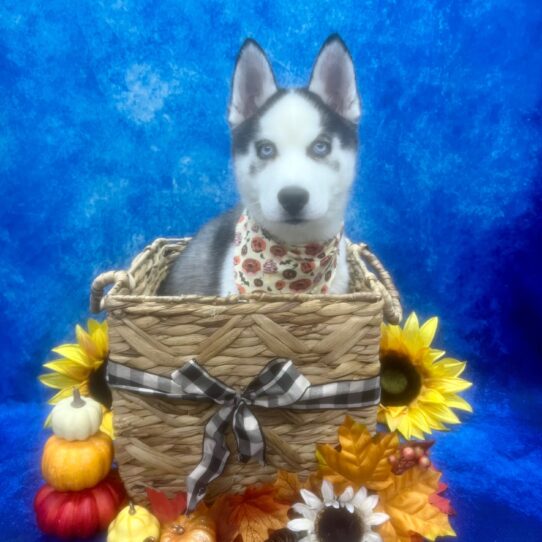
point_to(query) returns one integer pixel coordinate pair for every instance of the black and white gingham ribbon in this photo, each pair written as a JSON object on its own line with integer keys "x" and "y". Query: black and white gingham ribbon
{"x": 279, "y": 385}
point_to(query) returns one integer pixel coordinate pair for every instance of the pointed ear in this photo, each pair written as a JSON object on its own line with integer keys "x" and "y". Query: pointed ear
{"x": 334, "y": 80}
{"x": 253, "y": 83}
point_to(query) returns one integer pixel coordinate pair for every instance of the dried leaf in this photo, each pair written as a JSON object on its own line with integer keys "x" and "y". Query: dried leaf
{"x": 220, "y": 511}
{"x": 362, "y": 459}
{"x": 406, "y": 501}
{"x": 287, "y": 487}
{"x": 164, "y": 508}
{"x": 442, "y": 503}
{"x": 250, "y": 515}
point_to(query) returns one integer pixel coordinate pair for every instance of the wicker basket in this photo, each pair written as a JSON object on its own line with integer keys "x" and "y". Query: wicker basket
{"x": 329, "y": 337}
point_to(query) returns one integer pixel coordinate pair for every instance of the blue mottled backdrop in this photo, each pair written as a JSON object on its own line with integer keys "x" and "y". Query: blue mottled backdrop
{"x": 113, "y": 132}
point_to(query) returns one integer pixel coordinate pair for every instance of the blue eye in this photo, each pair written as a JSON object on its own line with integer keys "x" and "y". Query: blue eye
{"x": 320, "y": 148}
{"x": 266, "y": 150}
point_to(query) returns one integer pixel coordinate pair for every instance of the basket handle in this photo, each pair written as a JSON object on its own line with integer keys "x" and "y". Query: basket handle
{"x": 100, "y": 283}
{"x": 392, "y": 304}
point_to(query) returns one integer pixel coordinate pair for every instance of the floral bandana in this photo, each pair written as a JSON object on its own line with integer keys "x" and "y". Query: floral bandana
{"x": 263, "y": 264}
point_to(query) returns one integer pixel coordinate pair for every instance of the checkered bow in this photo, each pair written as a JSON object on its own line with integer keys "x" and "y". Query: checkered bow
{"x": 278, "y": 385}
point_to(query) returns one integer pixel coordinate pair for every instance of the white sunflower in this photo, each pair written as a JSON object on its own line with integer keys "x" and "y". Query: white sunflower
{"x": 348, "y": 518}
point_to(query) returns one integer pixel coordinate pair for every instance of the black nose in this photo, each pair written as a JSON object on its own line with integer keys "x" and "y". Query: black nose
{"x": 293, "y": 199}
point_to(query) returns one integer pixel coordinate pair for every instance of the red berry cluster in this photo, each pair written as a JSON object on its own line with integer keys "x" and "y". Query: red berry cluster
{"x": 411, "y": 454}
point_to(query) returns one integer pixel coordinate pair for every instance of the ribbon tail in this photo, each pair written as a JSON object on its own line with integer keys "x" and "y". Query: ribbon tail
{"x": 248, "y": 434}
{"x": 214, "y": 458}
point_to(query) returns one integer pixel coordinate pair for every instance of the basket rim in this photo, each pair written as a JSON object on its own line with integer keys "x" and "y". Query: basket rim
{"x": 373, "y": 295}
{"x": 377, "y": 281}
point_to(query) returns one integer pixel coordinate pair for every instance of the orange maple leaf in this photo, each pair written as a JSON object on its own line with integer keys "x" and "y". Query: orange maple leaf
{"x": 287, "y": 486}
{"x": 441, "y": 502}
{"x": 164, "y": 508}
{"x": 406, "y": 501}
{"x": 362, "y": 459}
{"x": 250, "y": 515}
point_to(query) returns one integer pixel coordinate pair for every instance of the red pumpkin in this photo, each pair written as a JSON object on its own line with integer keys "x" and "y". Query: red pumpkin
{"x": 79, "y": 514}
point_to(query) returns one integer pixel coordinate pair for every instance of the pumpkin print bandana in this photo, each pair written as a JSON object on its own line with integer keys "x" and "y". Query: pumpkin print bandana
{"x": 264, "y": 264}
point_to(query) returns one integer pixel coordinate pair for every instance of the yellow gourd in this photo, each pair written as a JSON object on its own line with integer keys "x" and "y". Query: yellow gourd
{"x": 134, "y": 524}
{"x": 79, "y": 464}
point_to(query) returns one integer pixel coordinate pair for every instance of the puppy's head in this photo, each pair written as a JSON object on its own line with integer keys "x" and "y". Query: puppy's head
{"x": 295, "y": 149}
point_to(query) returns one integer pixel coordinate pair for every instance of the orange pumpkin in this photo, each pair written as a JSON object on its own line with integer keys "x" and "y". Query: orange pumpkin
{"x": 197, "y": 527}
{"x": 79, "y": 464}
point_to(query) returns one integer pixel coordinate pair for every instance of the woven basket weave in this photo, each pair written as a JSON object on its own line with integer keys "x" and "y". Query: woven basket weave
{"x": 329, "y": 338}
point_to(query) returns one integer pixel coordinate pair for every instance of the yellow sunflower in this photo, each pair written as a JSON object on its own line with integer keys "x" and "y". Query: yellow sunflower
{"x": 81, "y": 366}
{"x": 419, "y": 386}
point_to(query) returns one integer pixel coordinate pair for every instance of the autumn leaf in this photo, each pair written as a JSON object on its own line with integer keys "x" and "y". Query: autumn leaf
{"x": 287, "y": 487}
{"x": 406, "y": 501}
{"x": 221, "y": 511}
{"x": 442, "y": 503}
{"x": 250, "y": 515}
{"x": 362, "y": 459}
{"x": 166, "y": 509}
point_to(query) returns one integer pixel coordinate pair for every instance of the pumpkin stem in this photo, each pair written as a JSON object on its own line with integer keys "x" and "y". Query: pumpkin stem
{"x": 77, "y": 401}
{"x": 132, "y": 510}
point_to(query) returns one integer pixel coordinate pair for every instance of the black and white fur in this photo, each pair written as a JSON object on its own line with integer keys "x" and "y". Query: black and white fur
{"x": 294, "y": 154}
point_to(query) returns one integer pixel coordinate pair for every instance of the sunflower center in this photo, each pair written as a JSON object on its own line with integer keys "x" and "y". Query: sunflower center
{"x": 98, "y": 388}
{"x": 338, "y": 525}
{"x": 400, "y": 382}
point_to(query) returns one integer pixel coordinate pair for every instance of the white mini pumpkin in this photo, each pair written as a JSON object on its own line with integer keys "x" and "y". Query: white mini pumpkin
{"x": 76, "y": 418}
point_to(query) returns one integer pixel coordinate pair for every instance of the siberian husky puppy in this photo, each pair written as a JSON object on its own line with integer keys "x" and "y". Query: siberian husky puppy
{"x": 294, "y": 156}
